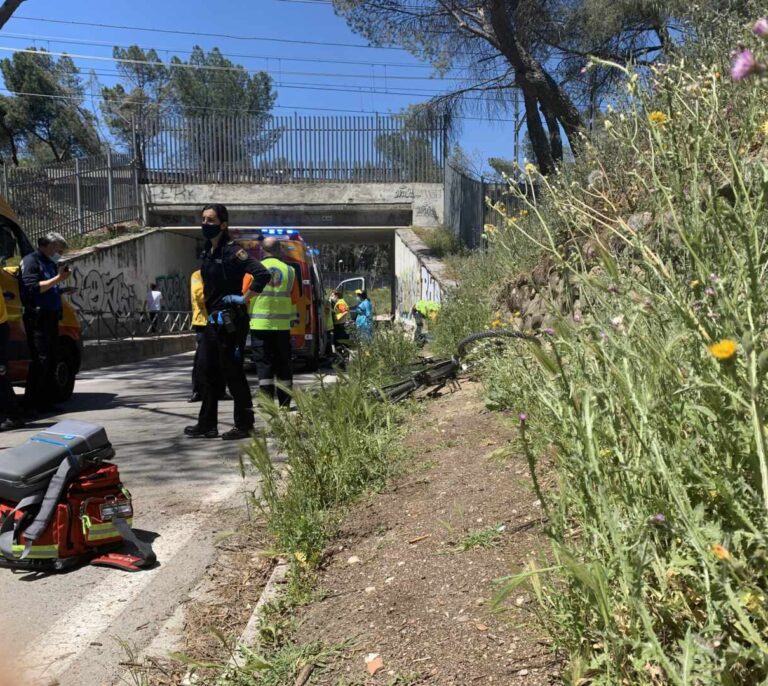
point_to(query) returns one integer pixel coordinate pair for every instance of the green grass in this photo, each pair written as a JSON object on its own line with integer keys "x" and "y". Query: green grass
{"x": 482, "y": 538}
{"x": 441, "y": 241}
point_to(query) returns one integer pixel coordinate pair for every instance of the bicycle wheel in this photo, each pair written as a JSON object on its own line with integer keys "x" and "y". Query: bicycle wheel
{"x": 484, "y": 335}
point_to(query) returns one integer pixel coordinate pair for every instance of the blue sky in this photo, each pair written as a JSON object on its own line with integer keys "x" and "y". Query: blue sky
{"x": 355, "y": 69}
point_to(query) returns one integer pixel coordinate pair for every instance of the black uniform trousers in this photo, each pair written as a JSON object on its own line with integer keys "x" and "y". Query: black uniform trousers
{"x": 220, "y": 356}
{"x": 272, "y": 355}
{"x": 197, "y": 370}
{"x": 9, "y": 405}
{"x": 42, "y": 328}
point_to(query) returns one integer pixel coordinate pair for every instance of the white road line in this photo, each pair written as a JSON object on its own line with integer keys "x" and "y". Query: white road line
{"x": 54, "y": 652}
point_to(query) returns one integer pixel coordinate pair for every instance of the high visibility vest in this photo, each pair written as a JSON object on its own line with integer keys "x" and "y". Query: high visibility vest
{"x": 273, "y": 309}
{"x": 197, "y": 297}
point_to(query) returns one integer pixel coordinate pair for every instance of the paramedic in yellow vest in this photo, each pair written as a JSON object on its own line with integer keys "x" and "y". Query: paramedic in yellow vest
{"x": 272, "y": 315}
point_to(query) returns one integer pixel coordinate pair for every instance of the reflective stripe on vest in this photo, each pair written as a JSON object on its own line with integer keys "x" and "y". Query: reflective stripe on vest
{"x": 272, "y": 309}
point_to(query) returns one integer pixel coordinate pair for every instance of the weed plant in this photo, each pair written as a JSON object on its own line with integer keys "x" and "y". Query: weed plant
{"x": 654, "y": 404}
{"x": 337, "y": 446}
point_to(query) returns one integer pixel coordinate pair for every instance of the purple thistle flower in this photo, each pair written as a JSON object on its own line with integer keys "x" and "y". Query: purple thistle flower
{"x": 613, "y": 290}
{"x": 710, "y": 292}
{"x": 549, "y": 331}
{"x": 577, "y": 317}
{"x": 658, "y": 519}
{"x": 523, "y": 417}
{"x": 761, "y": 27}
{"x": 603, "y": 335}
{"x": 744, "y": 65}
{"x": 714, "y": 278}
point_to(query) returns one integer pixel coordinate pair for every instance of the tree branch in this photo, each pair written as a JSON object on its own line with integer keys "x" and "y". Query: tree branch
{"x": 7, "y": 9}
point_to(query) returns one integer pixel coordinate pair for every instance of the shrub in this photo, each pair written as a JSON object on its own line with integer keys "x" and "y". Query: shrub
{"x": 654, "y": 407}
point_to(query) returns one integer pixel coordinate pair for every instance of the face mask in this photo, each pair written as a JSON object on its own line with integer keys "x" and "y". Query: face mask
{"x": 55, "y": 257}
{"x": 210, "y": 231}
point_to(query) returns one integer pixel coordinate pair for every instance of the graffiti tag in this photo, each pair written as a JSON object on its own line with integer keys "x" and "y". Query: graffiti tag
{"x": 102, "y": 292}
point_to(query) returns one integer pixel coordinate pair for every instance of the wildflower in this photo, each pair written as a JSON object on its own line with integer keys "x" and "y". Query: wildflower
{"x": 524, "y": 213}
{"x": 496, "y": 323}
{"x": 761, "y": 27}
{"x": 744, "y": 65}
{"x": 714, "y": 278}
{"x": 720, "y": 552}
{"x": 724, "y": 349}
{"x": 764, "y": 128}
{"x": 751, "y": 600}
{"x": 618, "y": 322}
{"x": 658, "y": 519}
{"x": 523, "y": 417}
{"x": 607, "y": 125}
{"x": 695, "y": 284}
{"x": 577, "y": 317}
{"x": 530, "y": 168}
{"x": 603, "y": 335}
{"x": 301, "y": 558}
{"x": 658, "y": 118}
{"x": 710, "y": 292}
{"x": 549, "y": 331}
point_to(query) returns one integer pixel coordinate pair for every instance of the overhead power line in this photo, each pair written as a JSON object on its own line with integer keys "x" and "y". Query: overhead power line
{"x": 206, "y": 34}
{"x": 222, "y": 110}
{"x": 205, "y": 67}
{"x": 278, "y": 58}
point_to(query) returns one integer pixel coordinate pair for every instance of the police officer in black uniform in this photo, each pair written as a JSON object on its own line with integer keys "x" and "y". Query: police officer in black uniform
{"x": 223, "y": 265}
{"x": 41, "y": 297}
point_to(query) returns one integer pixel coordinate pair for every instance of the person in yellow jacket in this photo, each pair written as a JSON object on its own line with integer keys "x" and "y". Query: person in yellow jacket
{"x": 272, "y": 314}
{"x": 10, "y": 410}
{"x": 199, "y": 321}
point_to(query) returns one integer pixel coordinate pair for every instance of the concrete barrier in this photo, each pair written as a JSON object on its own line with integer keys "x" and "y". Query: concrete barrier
{"x": 111, "y": 353}
{"x": 418, "y": 275}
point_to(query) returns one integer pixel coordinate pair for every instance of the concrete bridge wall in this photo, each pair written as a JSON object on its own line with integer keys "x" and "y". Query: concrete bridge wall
{"x": 418, "y": 275}
{"x": 115, "y": 275}
{"x": 331, "y": 204}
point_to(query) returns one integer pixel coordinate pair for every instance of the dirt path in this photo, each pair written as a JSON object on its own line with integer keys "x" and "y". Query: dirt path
{"x": 410, "y": 580}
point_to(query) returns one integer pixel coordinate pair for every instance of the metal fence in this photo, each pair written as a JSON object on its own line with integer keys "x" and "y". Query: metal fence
{"x": 284, "y": 149}
{"x": 73, "y": 197}
{"x": 100, "y": 325}
{"x": 468, "y": 205}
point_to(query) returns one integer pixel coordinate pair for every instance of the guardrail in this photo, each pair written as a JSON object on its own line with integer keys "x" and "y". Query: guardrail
{"x": 98, "y": 325}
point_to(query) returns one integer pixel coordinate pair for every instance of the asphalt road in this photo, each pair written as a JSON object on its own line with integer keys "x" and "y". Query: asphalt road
{"x": 66, "y": 629}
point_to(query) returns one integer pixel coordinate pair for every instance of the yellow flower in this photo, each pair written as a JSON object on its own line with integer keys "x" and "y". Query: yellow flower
{"x": 523, "y": 213}
{"x": 695, "y": 284}
{"x": 720, "y": 552}
{"x": 723, "y": 350}
{"x": 530, "y": 168}
{"x": 752, "y": 601}
{"x": 301, "y": 558}
{"x": 764, "y": 128}
{"x": 496, "y": 324}
{"x": 658, "y": 118}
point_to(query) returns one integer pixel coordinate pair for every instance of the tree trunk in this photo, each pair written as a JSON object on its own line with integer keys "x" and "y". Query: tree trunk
{"x": 555, "y": 140}
{"x": 532, "y": 77}
{"x": 7, "y": 9}
{"x": 536, "y": 133}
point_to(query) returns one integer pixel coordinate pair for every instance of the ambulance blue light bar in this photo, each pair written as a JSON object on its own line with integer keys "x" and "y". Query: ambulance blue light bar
{"x": 280, "y": 232}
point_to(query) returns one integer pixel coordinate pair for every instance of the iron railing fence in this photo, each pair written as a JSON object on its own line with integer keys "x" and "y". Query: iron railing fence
{"x": 284, "y": 149}
{"x": 100, "y": 325}
{"x": 73, "y": 197}
{"x": 469, "y": 204}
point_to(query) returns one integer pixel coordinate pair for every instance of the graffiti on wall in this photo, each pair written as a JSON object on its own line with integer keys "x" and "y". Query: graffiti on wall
{"x": 430, "y": 287}
{"x": 101, "y": 291}
{"x": 175, "y": 292}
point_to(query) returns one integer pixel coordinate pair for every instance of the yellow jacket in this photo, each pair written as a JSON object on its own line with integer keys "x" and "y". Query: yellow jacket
{"x": 197, "y": 298}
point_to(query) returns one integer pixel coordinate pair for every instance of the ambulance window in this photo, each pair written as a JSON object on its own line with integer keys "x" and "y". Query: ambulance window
{"x": 9, "y": 248}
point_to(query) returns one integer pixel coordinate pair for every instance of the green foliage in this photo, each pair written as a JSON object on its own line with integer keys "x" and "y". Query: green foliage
{"x": 338, "y": 445}
{"x": 482, "y": 538}
{"x": 53, "y": 128}
{"x": 441, "y": 241}
{"x": 220, "y": 84}
{"x": 658, "y": 434}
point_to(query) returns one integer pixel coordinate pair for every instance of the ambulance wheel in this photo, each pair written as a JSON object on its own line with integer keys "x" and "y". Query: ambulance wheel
{"x": 66, "y": 371}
